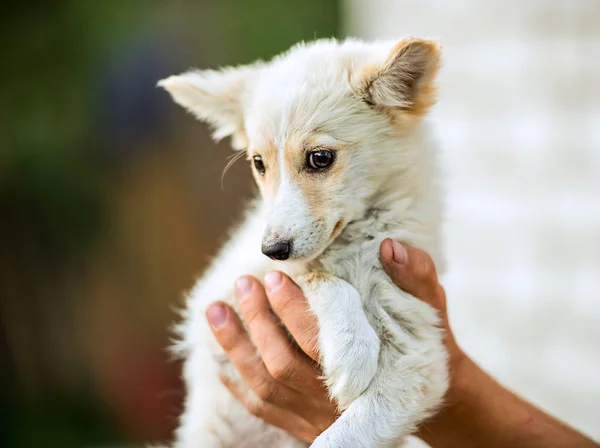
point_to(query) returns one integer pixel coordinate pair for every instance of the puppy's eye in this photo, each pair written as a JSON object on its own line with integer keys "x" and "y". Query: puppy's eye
{"x": 259, "y": 165}
{"x": 320, "y": 160}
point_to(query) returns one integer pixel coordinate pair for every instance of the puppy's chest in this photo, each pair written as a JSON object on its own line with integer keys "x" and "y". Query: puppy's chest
{"x": 355, "y": 262}
{"x": 354, "y": 255}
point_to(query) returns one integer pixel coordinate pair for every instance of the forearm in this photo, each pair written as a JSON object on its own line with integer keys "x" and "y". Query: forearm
{"x": 479, "y": 412}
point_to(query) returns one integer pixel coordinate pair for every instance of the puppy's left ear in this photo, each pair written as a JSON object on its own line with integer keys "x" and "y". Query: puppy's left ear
{"x": 405, "y": 82}
{"x": 217, "y": 97}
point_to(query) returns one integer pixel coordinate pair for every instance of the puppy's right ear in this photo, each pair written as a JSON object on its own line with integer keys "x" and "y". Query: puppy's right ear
{"x": 217, "y": 97}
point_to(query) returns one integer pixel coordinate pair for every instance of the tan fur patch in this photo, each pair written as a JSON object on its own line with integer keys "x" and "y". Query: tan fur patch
{"x": 421, "y": 55}
{"x": 313, "y": 277}
{"x": 269, "y": 182}
{"x": 314, "y": 185}
{"x": 425, "y": 95}
{"x": 339, "y": 226}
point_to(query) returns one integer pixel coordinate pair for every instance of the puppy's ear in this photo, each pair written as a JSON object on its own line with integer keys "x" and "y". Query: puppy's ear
{"x": 217, "y": 97}
{"x": 405, "y": 81}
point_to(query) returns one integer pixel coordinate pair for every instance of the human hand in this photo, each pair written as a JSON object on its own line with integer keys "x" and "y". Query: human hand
{"x": 477, "y": 411}
{"x": 285, "y": 376}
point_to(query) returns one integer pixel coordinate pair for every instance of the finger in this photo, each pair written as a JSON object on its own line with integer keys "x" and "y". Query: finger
{"x": 290, "y": 305}
{"x": 282, "y": 359}
{"x": 271, "y": 414}
{"x": 413, "y": 271}
{"x": 410, "y": 269}
{"x": 231, "y": 335}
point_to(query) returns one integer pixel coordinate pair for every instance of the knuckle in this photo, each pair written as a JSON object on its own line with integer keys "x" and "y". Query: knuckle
{"x": 230, "y": 340}
{"x": 309, "y": 435}
{"x": 440, "y": 295}
{"x": 255, "y": 407}
{"x": 251, "y": 315}
{"x": 282, "y": 302}
{"x": 266, "y": 390}
{"x": 282, "y": 371}
{"x": 425, "y": 269}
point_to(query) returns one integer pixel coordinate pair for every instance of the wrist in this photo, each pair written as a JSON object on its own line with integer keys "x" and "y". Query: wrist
{"x": 463, "y": 374}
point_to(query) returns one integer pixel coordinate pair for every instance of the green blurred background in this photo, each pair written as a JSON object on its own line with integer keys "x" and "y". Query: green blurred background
{"x": 105, "y": 192}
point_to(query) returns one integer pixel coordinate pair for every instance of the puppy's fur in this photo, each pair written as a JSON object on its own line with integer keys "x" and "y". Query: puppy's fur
{"x": 381, "y": 349}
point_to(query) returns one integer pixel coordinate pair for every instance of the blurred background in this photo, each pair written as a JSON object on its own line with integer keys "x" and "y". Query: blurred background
{"x": 111, "y": 201}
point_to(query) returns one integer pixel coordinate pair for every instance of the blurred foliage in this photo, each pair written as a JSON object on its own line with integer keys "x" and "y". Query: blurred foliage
{"x": 52, "y": 52}
{"x": 48, "y": 175}
{"x": 264, "y": 28}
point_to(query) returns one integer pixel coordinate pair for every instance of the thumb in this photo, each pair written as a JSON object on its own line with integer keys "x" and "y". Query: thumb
{"x": 411, "y": 269}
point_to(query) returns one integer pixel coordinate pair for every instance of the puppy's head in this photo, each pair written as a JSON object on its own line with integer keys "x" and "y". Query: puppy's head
{"x": 323, "y": 127}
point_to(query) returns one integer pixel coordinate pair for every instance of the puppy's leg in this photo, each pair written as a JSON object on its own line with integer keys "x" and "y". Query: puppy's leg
{"x": 390, "y": 409}
{"x": 349, "y": 347}
{"x": 408, "y": 387}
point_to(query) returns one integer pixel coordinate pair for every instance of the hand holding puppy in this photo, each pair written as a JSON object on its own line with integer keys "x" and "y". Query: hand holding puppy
{"x": 286, "y": 377}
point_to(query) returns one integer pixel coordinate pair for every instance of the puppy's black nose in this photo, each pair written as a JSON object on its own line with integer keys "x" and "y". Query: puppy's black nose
{"x": 277, "y": 251}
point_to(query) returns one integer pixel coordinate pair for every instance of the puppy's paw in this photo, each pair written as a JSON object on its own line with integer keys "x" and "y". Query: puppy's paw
{"x": 348, "y": 344}
{"x": 350, "y": 367}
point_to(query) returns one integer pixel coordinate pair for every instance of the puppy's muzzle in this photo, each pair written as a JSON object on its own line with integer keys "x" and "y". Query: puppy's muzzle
{"x": 279, "y": 250}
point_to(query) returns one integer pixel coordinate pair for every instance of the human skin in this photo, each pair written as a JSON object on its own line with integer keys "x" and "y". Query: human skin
{"x": 477, "y": 410}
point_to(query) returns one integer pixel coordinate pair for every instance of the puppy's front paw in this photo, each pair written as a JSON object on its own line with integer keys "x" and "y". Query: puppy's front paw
{"x": 348, "y": 344}
{"x": 350, "y": 366}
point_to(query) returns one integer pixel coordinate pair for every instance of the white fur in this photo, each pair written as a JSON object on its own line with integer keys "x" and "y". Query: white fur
{"x": 381, "y": 349}
{"x": 289, "y": 216}
{"x": 349, "y": 346}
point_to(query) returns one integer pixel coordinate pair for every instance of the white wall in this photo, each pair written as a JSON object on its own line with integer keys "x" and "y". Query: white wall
{"x": 519, "y": 122}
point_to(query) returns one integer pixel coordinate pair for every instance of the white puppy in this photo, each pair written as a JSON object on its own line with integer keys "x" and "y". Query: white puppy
{"x": 338, "y": 145}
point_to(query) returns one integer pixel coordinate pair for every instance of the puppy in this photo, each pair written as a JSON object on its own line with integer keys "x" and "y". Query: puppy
{"x": 337, "y": 141}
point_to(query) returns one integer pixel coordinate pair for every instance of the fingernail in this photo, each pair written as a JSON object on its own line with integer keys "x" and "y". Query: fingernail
{"x": 273, "y": 281}
{"x": 243, "y": 286}
{"x": 216, "y": 315}
{"x": 400, "y": 255}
